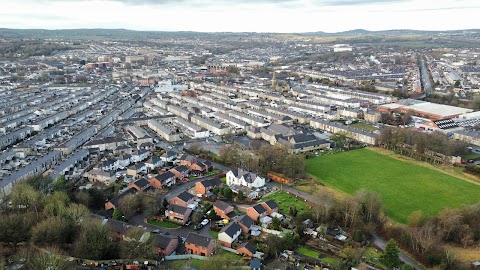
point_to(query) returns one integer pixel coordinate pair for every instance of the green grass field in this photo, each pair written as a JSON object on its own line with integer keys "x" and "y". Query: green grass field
{"x": 364, "y": 126}
{"x": 164, "y": 224}
{"x": 404, "y": 187}
{"x": 307, "y": 252}
{"x": 284, "y": 200}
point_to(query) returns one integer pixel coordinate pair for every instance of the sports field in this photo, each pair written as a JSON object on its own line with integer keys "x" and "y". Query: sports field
{"x": 405, "y": 187}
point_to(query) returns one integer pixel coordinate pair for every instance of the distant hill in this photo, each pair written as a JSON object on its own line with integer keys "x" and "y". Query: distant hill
{"x": 125, "y": 34}
{"x": 359, "y": 32}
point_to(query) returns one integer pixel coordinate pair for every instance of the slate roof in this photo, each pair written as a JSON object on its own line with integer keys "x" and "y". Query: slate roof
{"x": 302, "y": 138}
{"x": 162, "y": 241}
{"x": 221, "y": 205}
{"x": 231, "y": 229}
{"x": 272, "y": 204}
{"x": 211, "y": 182}
{"x": 185, "y": 196}
{"x": 116, "y": 201}
{"x": 259, "y": 208}
{"x": 232, "y": 214}
{"x": 117, "y": 226}
{"x": 245, "y": 220}
{"x": 141, "y": 183}
{"x": 177, "y": 209}
{"x": 165, "y": 176}
{"x": 181, "y": 169}
{"x": 199, "y": 240}
{"x": 248, "y": 246}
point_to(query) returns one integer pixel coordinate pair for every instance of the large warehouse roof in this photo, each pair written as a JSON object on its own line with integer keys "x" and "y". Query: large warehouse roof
{"x": 437, "y": 109}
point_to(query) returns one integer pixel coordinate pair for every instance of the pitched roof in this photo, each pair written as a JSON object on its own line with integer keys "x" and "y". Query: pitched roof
{"x": 162, "y": 240}
{"x": 185, "y": 196}
{"x": 248, "y": 246}
{"x": 141, "y": 183}
{"x": 245, "y": 220}
{"x": 211, "y": 182}
{"x": 259, "y": 208}
{"x": 272, "y": 204}
{"x": 181, "y": 168}
{"x": 177, "y": 209}
{"x": 116, "y": 201}
{"x": 302, "y": 138}
{"x": 231, "y": 229}
{"x": 221, "y": 205}
{"x": 198, "y": 239}
{"x": 232, "y": 214}
{"x": 164, "y": 176}
{"x": 117, "y": 226}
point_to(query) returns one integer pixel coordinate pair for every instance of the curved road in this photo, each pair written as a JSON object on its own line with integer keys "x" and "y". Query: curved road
{"x": 377, "y": 241}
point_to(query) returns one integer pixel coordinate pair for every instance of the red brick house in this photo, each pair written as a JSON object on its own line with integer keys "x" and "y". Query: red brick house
{"x": 141, "y": 184}
{"x": 118, "y": 228}
{"x": 187, "y": 160}
{"x": 178, "y": 213}
{"x": 182, "y": 199}
{"x": 246, "y": 249}
{"x": 165, "y": 245}
{"x": 180, "y": 171}
{"x": 207, "y": 185}
{"x": 115, "y": 202}
{"x": 200, "y": 168}
{"x": 200, "y": 245}
{"x": 165, "y": 179}
{"x": 229, "y": 234}
{"x": 222, "y": 209}
{"x": 245, "y": 222}
{"x": 257, "y": 212}
{"x": 271, "y": 206}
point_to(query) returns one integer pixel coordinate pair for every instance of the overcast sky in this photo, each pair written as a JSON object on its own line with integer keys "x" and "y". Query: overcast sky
{"x": 242, "y": 15}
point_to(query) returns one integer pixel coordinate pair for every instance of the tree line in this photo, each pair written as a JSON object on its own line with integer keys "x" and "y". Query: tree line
{"x": 427, "y": 237}
{"x": 433, "y": 147}
{"x": 267, "y": 159}
{"x": 39, "y": 215}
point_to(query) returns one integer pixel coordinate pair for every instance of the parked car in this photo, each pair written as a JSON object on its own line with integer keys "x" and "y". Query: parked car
{"x": 204, "y": 222}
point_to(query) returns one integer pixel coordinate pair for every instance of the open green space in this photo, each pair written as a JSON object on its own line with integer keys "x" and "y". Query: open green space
{"x": 404, "y": 187}
{"x": 285, "y": 200}
{"x": 164, "y": 224}
{"x": 307, "y": 252}
{"x": 364, "y": 126}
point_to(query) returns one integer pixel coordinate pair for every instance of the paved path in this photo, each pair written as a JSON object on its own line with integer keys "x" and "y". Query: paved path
{"x": 377, "y": 241}
{"x": 380, "y": 243}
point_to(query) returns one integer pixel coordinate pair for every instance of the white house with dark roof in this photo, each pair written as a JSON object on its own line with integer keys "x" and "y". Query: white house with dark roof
{"x": 241, "y": 177}
{"x": 229, "y": 234}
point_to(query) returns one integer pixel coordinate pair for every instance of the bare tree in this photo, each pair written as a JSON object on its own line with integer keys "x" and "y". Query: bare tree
{"x": 448, "y": 221}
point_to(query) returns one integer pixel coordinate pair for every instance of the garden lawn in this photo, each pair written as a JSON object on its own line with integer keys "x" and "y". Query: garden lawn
{"x": 404, "y": 187}
{"x": 284, "y": 200}
{"x": 364, "y": 126}
{"x": 163, "y": 224}
{"x": 307, "y": 252}
{"x": 214, "y": 233}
